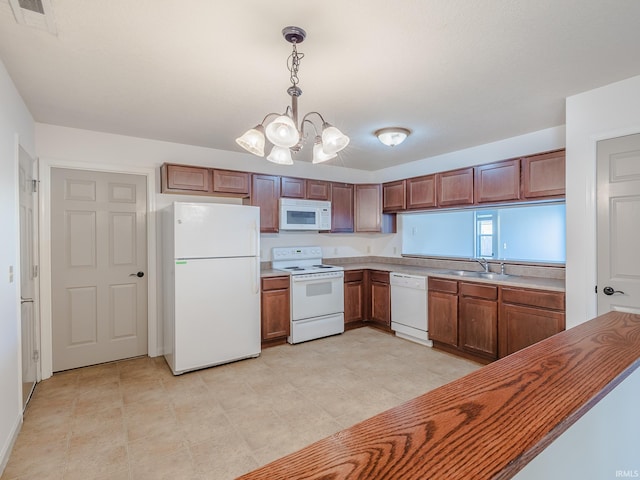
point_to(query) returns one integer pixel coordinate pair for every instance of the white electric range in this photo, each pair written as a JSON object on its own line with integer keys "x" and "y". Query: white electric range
{"x": 317, "y": 292}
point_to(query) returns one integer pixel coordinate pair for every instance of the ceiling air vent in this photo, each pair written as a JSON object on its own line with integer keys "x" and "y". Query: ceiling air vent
{"x": 34, "y": 13}
{"x": 32, "y": 5}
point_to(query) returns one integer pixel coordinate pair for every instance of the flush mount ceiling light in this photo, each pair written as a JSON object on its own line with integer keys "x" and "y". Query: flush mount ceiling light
{"x": 284, "y": 132}
{"x": 392, "y": 136}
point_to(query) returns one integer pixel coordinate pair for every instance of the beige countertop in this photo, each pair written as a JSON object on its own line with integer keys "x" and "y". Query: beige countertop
{"x": 511, "y": 280}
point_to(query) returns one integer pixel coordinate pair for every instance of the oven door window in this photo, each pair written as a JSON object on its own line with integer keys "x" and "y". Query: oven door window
{"x": 314, "y": 298}
{"x": 298, "y": 217}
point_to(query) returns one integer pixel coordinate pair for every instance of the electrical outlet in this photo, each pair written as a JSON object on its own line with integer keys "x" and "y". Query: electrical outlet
{"x": 368, "y": 248}
{"x": 395, "y": 250}
{"x": 10, "y": 273}
{"x": 335, "y": 251}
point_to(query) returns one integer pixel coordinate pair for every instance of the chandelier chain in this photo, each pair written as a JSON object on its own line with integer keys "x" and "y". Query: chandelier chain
{"x": 293, "y": 65}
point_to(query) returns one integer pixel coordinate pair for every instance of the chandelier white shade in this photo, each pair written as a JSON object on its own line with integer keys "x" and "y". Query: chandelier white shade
{"x": 392, "y": 136}
{"x": 280, "y": 155}
{"x": 319, "y": 155}
{"x": 253, "y": 140}
{"x": 284, "y": 132}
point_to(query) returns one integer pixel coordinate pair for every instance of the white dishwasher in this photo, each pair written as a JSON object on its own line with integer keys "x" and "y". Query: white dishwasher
{"x": 409, "y": 307}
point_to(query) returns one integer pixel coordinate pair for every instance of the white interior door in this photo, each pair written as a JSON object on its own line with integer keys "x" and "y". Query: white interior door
{"x": 618, "y": 187}
{"x": 98, "y": 266}
{"x": 29, "y": 318}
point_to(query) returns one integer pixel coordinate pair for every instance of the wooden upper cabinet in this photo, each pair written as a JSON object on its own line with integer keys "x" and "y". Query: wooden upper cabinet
{"x": 184, "y": 178}
{"x": 318, "y": 190}
{"x": 394, "y": 196}
{"x": 342, "y": 199}
{"x": 265, "y": 192}
{"x": 421, "y": 192}
{"x": 293, "y": 187}
{"x": 544, "y": 175}
{"x": 231, "y": 182}
{"x": 368, "y": 210}
{"x": 497, "y": 182}
{"x": 455, "y": 187}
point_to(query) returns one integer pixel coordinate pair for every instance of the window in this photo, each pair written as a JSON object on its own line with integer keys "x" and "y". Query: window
{"x": 533, "y": 233}
{"x": 486, "y": 238}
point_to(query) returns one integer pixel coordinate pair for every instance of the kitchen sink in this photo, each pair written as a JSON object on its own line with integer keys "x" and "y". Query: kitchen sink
{"x": 473, "y": 274}
{"x": 462, "y": 273}
{"x": 493, "y": 276}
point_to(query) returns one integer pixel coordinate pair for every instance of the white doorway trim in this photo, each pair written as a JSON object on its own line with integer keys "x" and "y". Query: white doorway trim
{"x": 590, "y": 227}
{"x": 45, "y": 251}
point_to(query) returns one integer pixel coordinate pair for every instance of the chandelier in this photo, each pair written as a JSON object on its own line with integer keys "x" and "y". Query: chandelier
{"x": 284, "y": 132}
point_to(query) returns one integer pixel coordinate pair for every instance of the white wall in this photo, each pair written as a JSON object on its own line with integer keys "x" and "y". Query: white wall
{"x": 603, "y": 444}
{"x": 535, "y": 142}
{"x": 15, "y": 123}
{"x": 606, "y": 112}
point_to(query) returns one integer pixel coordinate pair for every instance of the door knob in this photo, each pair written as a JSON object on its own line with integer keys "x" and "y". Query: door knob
{"x": 139, "y": 274}
{"x": 611, "y": 291}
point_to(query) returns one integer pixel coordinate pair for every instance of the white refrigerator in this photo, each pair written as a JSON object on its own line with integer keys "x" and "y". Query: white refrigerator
{"x": 211, "y": 281}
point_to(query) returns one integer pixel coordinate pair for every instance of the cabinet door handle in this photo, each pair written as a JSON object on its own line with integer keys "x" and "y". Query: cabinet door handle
{"x": 611, "y": 291}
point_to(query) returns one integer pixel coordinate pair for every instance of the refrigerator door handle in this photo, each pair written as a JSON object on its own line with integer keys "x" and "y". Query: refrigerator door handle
{"x": 255, "y": 240}
{"x": 256, "y": 277}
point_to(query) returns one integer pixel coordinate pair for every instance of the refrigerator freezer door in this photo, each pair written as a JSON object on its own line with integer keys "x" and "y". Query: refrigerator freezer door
{"x": 217, "y": 311}
{"x": 204, "y": 230}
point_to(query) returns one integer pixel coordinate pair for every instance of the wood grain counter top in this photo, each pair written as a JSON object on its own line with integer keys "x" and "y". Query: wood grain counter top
{"x": 486, "y": 425}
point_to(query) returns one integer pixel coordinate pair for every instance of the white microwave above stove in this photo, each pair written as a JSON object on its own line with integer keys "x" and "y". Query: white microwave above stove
{"x": 304, "y": 214}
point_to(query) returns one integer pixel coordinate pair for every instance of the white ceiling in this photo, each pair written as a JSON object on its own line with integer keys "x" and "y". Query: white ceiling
{"x": 457, "y": 73}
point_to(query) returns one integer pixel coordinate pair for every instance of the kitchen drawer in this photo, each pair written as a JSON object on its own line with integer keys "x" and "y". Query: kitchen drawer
{"x": 354, "y": 276}
{"x": 380, "y": 277}
{"x": 275, "y": 283}
{"x": 488, "y": 292}
{"x": 443, "y": 285}
{"x": 534, "y": 298}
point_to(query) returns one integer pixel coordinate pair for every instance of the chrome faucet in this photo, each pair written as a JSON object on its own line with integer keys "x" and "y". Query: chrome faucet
{"x": 483, "y": 262}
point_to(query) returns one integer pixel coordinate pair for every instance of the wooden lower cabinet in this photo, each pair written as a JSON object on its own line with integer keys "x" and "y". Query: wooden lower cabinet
{"x": 443, "y": 317}
{"x": 354, "y": 298}
{"x": 528, "y": 316}
{"x": 478, "y": 319}
{"x": 380, "y": 298}
{"x": 486, "y": 322}
{"x": 275, "y": 310}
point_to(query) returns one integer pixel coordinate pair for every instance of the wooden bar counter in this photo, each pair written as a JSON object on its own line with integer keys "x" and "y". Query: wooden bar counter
{"x": 487, "y": 425}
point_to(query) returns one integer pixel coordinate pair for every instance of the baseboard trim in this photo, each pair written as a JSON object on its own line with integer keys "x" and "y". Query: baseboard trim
{"x": 5, "y": 453}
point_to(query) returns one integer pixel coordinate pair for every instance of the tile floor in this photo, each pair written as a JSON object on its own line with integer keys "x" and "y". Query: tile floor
{"x": 134, "y": 420}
